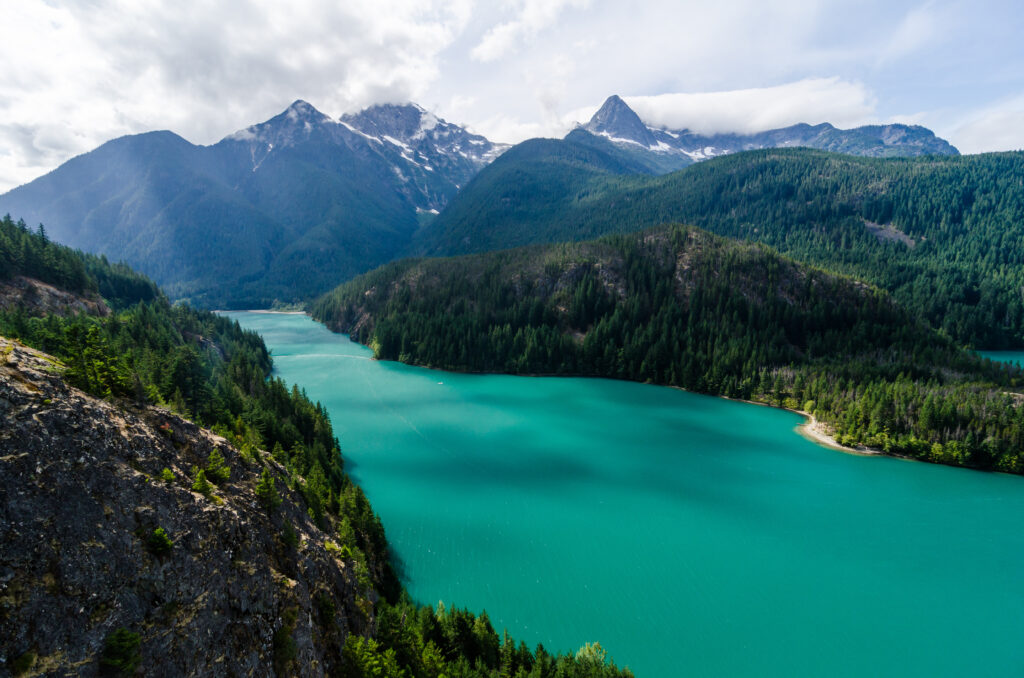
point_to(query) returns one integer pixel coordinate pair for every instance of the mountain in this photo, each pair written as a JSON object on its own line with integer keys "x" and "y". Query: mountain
{"x": 277, "y": 211}
{"x": 505, "y": 204}
{"x": 679, "y": 306}
{"x": 943, "y": 234}
{"x": 676, "y": 149}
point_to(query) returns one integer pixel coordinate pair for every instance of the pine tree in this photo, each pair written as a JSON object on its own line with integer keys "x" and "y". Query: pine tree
{"x": 217, "y": 469}
{"x": 201, "y": 484}
{"x": 266, "y": 493}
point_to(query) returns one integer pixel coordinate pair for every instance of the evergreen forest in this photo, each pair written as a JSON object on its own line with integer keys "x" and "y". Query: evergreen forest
{"x": 682, "y": 307}
{"x": 943, "y": 234}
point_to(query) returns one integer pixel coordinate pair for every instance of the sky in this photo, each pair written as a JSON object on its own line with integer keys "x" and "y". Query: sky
{"x": 74, "y": 74}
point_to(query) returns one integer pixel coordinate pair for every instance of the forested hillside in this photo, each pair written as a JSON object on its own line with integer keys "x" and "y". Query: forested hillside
{"x": 32, "y": 254}
{"x": 233, "y": 529}
{"x": 681, "y": 307}
{"x": 945, "y": 235}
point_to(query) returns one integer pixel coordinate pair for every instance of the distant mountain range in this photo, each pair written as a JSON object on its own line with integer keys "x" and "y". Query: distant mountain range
{"x": 669, "y": 150}
{"x": 286, "y": 209}
{"x": 281, "y": 210}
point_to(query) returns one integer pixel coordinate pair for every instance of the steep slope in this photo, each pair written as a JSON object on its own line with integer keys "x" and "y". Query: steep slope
{"x": 513, "y": 195}
{"x": 943, "y": 234}
{"x": 279, "y": 210}
{"x": 682, "y": 307}
{"x": 676, "y": 149}
{"x": 84, "y": 497}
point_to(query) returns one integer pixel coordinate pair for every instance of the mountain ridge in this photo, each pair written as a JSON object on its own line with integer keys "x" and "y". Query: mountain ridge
{"x": 297, "y": 202}
{"x": 618, "y": 123}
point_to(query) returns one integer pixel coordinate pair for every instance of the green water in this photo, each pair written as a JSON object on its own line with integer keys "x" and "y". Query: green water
{"x": 691, "y": 536}
{"x": 1013, "y": 357}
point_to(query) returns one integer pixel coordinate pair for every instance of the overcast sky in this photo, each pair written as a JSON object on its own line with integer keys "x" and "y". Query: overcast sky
{"x": 74, "y": 74}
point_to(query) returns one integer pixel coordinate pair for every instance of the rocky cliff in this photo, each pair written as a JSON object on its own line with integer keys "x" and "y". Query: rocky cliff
{"x": 112, "y": 562}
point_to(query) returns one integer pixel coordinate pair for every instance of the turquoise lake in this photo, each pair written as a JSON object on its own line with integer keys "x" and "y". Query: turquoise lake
{"x": 690, "y": 535}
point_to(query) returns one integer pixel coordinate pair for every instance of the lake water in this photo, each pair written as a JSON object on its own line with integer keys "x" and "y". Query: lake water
{"x": 1012, "y": 357}
{"x": 690, "y": 535}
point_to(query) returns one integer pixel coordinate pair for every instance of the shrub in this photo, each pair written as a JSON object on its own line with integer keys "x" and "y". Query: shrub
{"x": 121, "y": 652}
{"x": 266, "y": 493}
{"x": 284, "y": 645}
{"x": 167, "y": 475}
{"x": 23, "y": 663}
{"x": 216, "y": 468}
{"x": 159, "y": 543}
{"x": 289, "y": 536}
{"x": 201, "y": 484}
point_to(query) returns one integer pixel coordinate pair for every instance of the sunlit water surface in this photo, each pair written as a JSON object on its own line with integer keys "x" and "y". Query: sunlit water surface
{"x": 690, "y": 535}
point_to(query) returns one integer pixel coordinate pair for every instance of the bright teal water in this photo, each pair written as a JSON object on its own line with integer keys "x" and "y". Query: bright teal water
{"x": 1015, "y": 357}
{"x": 691, "y": 536}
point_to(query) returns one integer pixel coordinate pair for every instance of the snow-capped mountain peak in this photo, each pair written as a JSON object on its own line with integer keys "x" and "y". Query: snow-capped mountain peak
{"x": 429, "y": 156}
{"x": 618, "y": 122}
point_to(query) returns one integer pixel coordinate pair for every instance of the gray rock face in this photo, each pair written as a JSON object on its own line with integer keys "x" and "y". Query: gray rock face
{"x": 80, "y": 495}
{"x": 618, "y": 121}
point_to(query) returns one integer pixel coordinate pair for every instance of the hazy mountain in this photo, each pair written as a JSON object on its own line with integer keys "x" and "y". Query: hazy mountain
{"x": 616, "y": 121}
{"x": 279, "y": 210}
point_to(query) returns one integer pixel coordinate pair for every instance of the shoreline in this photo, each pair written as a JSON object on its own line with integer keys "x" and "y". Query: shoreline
{"x": 814, "y": 430}
{"x": 811, "y": 429}
{"x": 259, "y": 310}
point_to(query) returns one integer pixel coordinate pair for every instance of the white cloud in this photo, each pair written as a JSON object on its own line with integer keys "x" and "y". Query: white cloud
{"x": 532, "y": 16}
{"x": 814, "y": 100}
{"x": 997, "y": 127}
{"x": 77, "y": 74}
{"x": 922, "y": 27}
{"x": 844, "y": 104}
{"x": 512, "y": 130}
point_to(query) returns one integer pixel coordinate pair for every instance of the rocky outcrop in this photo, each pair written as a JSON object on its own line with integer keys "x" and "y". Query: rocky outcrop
{"x": 84, "y": 485}
{"x": 39, "y": 298}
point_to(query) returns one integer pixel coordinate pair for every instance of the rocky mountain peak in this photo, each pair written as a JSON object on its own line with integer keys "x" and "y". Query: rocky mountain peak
{"x": 617, "y": 121}
{"x": 302, "y": 110}
{"x": 292, "y": 124}
{"x": 399, "y": 121}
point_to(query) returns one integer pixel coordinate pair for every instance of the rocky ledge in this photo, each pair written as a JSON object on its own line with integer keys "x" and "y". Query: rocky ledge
{"x": 109, "y": 561}
{"x": 40, "y": 299}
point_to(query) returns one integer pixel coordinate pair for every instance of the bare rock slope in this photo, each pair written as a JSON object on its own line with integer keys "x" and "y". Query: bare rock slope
{"x": 241, "y": 590}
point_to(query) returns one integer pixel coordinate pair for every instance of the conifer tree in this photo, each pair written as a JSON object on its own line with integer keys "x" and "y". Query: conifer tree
{"x": 266, "y": 492}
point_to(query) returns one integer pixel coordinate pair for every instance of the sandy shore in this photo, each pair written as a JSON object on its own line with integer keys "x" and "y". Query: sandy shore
{"x": 813, "y": 430}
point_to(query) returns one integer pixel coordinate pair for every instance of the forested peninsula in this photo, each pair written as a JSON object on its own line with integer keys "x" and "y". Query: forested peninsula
{"x": 681, "y": 307}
